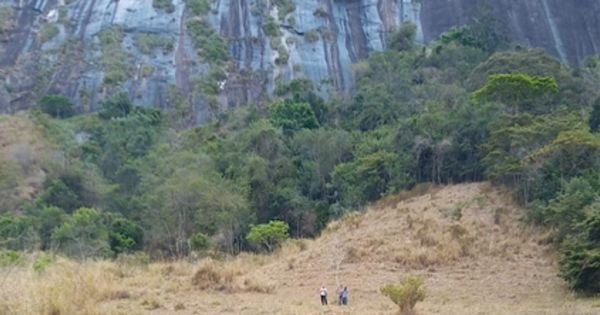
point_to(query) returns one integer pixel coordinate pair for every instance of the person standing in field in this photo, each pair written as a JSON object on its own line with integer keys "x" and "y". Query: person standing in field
{"x": 323, "y": 293}
{"x": 345, "y": 296}
{"x": 339, "y": 292}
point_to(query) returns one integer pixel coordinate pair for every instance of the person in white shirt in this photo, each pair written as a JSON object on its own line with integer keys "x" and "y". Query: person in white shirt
{"x": 323, "y": 293}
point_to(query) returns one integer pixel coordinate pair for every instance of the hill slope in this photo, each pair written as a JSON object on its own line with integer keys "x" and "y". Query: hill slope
{"x": 465, "y": 240}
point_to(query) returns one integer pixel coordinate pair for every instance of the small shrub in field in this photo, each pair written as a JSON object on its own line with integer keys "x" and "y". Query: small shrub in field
{"x": 151, "y": 304}
{"x": 42, "y": 263}
{"x": 211, "y": 276}
{"x": 406, "y": 295}
{"x": 10, "y": 258}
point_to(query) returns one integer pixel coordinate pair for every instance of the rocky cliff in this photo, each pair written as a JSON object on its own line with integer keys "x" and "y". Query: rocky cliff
{"x": 208, "y": 55}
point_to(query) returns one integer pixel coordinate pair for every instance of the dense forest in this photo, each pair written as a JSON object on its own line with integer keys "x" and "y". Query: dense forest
{"x": 470, "y": 106}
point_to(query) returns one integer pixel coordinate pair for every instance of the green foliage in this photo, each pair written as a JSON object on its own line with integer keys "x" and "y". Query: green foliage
{"x": 17, "y": 233}
{"x": 198, "y": 7}
{"x": 283, "y": 56}
{"x": 166, "y": 5}
{"x": 57, "y": 106}
{"x": 404, "y": 38}
{"x": 57, "y": 193}
{"x": 210, "y": 45}
{"x": 199, "y": 241}
{"x": 184, "y": 196}
{"x": 147, "y": 43}
{"x": 116, "y": 107}
{"x": 406, "y": 295}
{"x": 114, "y": 58}
{"x": 520, "y": 92}
{"x": 515, "y": 139}
{"x": 271, "y": 27}
{"x": 580, "y": 262}
{"x": 10, "y": 258}
{"x": 534, "y": 62}
{"x": 268, "y": 236}
{"x": 292, "y": 116}
{"x": 49, "y": 218}
{"x": 42, "y": 262}
{"x": 368, "y": 178}
{"x": 83, "y": 235}
{"x": 125, "y": 235}
{"x": 284, "y": 7}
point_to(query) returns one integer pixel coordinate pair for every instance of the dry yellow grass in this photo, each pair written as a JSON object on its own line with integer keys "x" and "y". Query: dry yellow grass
{"x": 466, "y": 241}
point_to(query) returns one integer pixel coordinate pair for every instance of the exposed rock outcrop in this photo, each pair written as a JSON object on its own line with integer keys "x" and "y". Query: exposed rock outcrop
{"x": 90, "y": 49}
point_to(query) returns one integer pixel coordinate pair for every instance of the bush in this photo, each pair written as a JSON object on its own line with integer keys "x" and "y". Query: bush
{"x": 58, "y": 194}
{"x": 580, "y": 262}
{"x": 42, "y": 262}
{"x": 271, "y": 27}
{"x": 292, "y": 116}
{"x": 147, "y": 43}
{"x": 269, "y": 235}
{"x": 83, "y": 235}
{"x": 198, "y": 7}
{"x": 166, "y": 5}
{"x": 114, "y": 57}
{"x": 284, "y": 7}
{"x": 199, "y": 241}
{"x": 10, "y": 258}
{"x": 57, "y": 106}
{"x": 311, "y": 36}
{"x": 404, "y": 38}
{"x": 115, "y": 107}
{"x": 125, "y": 235}
{"x": 17, "y": 233}
{"x": 210, "y": 45}
{"x": 407, "y": 294}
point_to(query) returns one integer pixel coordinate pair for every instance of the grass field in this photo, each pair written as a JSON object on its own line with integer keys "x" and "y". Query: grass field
{"x": 466, "y": 241}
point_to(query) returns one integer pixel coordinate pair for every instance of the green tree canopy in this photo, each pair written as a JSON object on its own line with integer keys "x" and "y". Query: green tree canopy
{"x": 268, "y": 236}
{"x": 519, "y": 92}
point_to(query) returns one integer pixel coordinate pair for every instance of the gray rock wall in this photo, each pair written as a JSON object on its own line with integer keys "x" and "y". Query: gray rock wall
{"x": 322, "y": 38}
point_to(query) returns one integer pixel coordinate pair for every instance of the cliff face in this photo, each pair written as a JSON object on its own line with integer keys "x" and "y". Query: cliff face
{"x": 162, "y": 52}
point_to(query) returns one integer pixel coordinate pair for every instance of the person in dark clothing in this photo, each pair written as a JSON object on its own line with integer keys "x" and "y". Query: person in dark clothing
{"x": 323, "y": 294}
{"x": 345, "y": 296}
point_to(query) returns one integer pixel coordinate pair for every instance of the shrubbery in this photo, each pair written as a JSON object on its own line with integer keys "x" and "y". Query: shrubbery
{"x": 268, "y": 236}
{"x": 57, "y": 106}
{"x": 407, "y": 294}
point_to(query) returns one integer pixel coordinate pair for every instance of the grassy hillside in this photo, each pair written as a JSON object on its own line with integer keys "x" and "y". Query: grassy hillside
{"x": 467, "y": 242}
